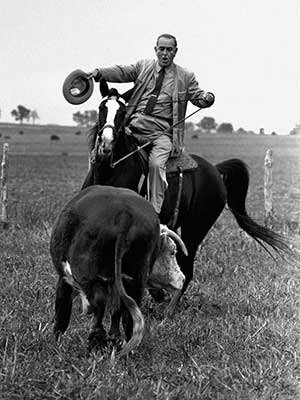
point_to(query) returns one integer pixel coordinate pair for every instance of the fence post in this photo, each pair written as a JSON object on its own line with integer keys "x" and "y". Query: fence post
{"x": 3, "y": 189}
{"x": 268, "y": 186}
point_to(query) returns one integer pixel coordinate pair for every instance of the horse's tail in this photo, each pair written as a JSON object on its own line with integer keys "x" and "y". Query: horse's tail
{"x": 236, "y": 179}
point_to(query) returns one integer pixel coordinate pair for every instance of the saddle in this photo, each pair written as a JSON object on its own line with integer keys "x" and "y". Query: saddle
{"x": 180, "y": 163}
{"x": 183, "y": 162}
{"x": 175, "y": 165}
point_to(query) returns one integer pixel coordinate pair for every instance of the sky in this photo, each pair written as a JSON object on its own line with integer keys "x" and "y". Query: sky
{"x": 244, "y": 51}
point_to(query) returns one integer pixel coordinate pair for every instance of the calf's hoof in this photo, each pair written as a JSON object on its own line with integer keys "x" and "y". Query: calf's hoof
{"x": 97, "y": 340}
{"x": 116, "y": 342}
{"x": 158, "y": 295}
{"x": 57, "y": 336}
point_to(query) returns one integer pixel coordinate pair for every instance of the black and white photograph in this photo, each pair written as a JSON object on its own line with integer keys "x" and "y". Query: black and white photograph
{"x": 150, "y": 200}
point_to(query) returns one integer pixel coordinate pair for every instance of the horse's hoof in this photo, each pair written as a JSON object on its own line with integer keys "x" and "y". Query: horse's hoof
{"x": 170, "y": 313}
{"x": 58, "y": 337}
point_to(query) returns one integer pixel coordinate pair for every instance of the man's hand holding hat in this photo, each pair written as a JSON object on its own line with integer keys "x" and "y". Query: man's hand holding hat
{"x": 94, "y": 74}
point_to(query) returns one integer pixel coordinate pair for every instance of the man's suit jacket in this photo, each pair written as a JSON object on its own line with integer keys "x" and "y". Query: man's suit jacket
{"x": 186, "y": 88}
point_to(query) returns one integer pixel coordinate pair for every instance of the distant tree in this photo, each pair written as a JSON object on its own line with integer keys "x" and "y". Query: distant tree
{"x": 296, "y": 130}
{"x": 86, "y": 118}
{"x": 189, "y": 127}
{"x": 21, "y": 113}
{"x": 34, "y": 115}
{"x": 225, "y": 127}
{"x": 261, "y": 131}
{"x": 78, "y": 118}
{"x": 274, "y": 133}
{"x": 241, "y": 131}
{"x": 207, "y": 123}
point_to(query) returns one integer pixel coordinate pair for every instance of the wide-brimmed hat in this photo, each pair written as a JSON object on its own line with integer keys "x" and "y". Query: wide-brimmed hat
{"x": 77, "y": 87}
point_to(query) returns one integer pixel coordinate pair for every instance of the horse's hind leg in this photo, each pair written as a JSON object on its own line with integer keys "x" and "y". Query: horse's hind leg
{"x": 193, "y": 231}
{"x": 63, "y": 307}
{"x": 192, "y": 234}
{"x": 186, "y": 263}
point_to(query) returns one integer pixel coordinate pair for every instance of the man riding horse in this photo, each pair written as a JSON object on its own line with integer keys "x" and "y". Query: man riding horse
{"x": 157, "y": 108}
{"x": 197, "y": 194}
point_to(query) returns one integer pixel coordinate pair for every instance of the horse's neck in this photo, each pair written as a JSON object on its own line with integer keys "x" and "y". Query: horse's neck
{"x": 123, "y": 146}
{"x": 128, "y": 168}
{"x": 126, "y": 173}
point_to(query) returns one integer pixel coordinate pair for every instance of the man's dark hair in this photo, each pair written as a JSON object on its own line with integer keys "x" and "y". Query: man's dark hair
{"x": 168, "y": 36}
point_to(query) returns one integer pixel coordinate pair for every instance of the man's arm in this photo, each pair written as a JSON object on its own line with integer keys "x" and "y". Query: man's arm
{"x": 116, "y": 73}
{"x": 197, "y": 96}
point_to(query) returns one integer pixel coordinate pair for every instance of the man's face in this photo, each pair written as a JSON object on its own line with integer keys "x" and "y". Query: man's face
{"x": 165, "y": 51}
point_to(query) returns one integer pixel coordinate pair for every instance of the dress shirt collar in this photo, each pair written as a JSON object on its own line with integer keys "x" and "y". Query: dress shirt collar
{"x": 158, "y": 68}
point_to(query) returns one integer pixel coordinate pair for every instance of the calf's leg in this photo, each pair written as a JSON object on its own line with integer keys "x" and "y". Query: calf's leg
{"x": 63, "y": 307}
{"x": 97, "y": 338}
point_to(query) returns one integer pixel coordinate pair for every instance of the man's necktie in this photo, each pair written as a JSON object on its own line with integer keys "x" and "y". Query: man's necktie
{"x": 154, "y": 95}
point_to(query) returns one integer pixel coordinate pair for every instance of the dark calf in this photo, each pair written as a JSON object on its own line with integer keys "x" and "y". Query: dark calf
{"x": 107, "y": 245}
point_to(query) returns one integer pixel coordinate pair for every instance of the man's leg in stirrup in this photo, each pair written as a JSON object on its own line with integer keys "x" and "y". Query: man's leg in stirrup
{"x": 158, "y": 158}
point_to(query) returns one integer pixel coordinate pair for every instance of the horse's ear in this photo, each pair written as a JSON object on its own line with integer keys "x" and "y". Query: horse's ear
{"x": 127, "y": 95}
{"x": 104, "y": 89}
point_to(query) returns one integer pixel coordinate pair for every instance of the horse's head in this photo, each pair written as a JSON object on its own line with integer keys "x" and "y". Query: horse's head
{"x": 112, "y": 112}
{"x": 112, "y": 144}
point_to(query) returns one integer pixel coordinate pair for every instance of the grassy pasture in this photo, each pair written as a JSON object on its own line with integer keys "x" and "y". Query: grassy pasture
{"x": 236, "y": 332}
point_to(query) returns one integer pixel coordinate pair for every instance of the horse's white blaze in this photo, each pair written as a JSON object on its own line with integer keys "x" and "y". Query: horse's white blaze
{"x": 71, "y": 281}
{"x": 107, "y": 136}
{"x": 112, "y": 108}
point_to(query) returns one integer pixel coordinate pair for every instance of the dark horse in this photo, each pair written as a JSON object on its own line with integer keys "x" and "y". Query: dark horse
{"x": 205, "y": 189}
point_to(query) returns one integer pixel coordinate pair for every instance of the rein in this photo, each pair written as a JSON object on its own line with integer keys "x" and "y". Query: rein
{"x": 150, "y": 141}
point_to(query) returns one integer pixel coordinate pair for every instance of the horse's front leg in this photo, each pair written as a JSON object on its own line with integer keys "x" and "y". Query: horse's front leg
{"x": 173, "y": 303}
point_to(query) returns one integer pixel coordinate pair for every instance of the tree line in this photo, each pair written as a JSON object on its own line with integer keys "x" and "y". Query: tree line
{"x": 22, "y": 113}
{"x": 206, "y": 124}
{"x": 89, "y": 118}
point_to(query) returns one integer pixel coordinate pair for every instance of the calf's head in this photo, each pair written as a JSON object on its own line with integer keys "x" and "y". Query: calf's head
{"x": 166, "y": 272}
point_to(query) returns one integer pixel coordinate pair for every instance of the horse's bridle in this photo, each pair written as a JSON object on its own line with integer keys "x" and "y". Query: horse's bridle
{"x": 98, "y": 148}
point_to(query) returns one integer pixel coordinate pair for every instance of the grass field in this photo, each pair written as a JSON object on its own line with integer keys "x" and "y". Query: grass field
{"x": 236, "y": 332}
